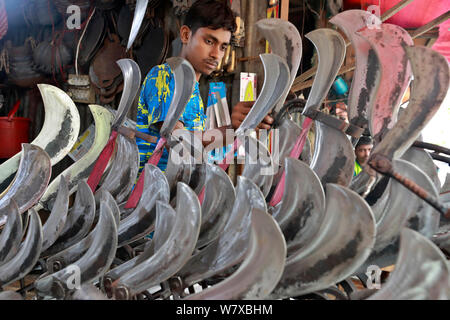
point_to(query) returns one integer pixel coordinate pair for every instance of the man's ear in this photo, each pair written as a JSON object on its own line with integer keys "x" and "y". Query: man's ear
{"x": 185, "y": 34}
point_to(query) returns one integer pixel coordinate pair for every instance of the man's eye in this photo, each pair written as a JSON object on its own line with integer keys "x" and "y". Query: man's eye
{"x": 208, "y": 41}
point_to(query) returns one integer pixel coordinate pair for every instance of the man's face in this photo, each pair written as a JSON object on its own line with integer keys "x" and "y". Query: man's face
{"x": 205, "y": 48}
{"x": 362, "y": 153}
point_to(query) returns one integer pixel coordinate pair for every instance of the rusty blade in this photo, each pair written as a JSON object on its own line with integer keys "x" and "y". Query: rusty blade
{"x": 229, "y": 248}
{"x": 172, "y": 255}
{"x": 302, "y": 208}
{"x": 261, "y": 269}
{"x": 366, "y": 77}
{"x": 403, "y": 209}
{"x": 342, "y": 244}
{"x": 421, "y": 272}
{"x": 139, "y": 13}
{"x": 11, "y": 235}
{"x": 330, "y": 48}
{"x": 79, "y": 220}
{"x": 93, "y": 264}
{"x": 31, "y": 179}
{"x": 141, "y": 221}
{"x": 276, "y": 80}
{"x": 27, "y": 256}
{"x": 334, "y": 157}
{"x": 184, "y": 77}
{"x": 217, "y": 204}
{"x": 54, "y": 224}
{"x": 259, "y": 166}
{"x": 388, "y": 41}
{"x": 124, "y": 169}
{"x": 286, "y": 42}
{"x": 165, "y": 219}
{"x": 132, "y": 81}
{"x": 430, "y": 85}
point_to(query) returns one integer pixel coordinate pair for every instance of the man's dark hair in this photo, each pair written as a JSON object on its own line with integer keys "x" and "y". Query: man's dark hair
{"x": 364, "y": 140}
{"x": 213, "y": 14}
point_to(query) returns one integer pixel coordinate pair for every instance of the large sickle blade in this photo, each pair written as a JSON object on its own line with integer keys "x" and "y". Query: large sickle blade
{"x": 286, "y": 42}
{"x": 430, "y": 85}
{"x": 31, "y": 179}
{"x": 92, "y": 264}
{"x": 82, "y": 168}
{"x": 389, "y": 41}
{"x": 421, "y": 272}
{"x": 261, "y": 269}
{"x": 11, "y": 235}
{"x": 172, "y": 255}
{"x": 424, "y": 161}
{"x": 404, "y": 209}
{"x": 184, "y": 76}
{"x": 23, "y": 262}
{"x": 139, "y": 12}
{"x": 141, "y": 221}
{"x": 302, "y": 208}
{"x": 57, "y": 219}
{"x": 217, "y": 204}
{"x": 58, "y": 134}
{"x": 334, "y": 157}
{"x": 366, "y": 77}
{"x": 276, "y": 80}
{"x": 259, "y": 166}
{"x": 342, "y": 244}
{"x": 132, "y": 79}
{"x": 79, "y": 220}
{"x": 228, "y": 249}
{"x": 123, "y": 171}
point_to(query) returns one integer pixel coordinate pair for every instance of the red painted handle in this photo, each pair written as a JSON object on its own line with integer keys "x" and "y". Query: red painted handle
{"x": 13, "y": 110}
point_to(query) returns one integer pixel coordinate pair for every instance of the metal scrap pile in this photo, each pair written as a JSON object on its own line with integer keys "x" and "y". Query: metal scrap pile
{"x": 298, "y": 230}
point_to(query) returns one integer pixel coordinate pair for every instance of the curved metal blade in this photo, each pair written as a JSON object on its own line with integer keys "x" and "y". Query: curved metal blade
{"x": 82, "y": 168}
{"x": 184, "y": 77}
{"x": 79, "y": 220}
{"x": 139, "y": 12}
{"x": 165, "y": 220}
{"x": 132, "y": 82}
{"x": 276, "y": 80}
{"x": 198, "y": 178}
{"x": 421, "y": 272}
{"x": 88, "y": 292}
{"x": 285, "y": 41}
{"x": 58, "y": 134}
{"x": 302, "y": 208}
{"x": 217, "y": 204}
{"x": 388, "y": 41}
{"x": 330, "y": 48}
{"x": 229, "y": 248}
{"x": 10, "y": 295}
{"x": 23, "y": 262}
{"x": 259, "y": 166}
{"x": 93, "y": 264}
{"x": 429, "y": 88}
{"x": 404, "y": 209}
{"x": 261, "y": 269}
{"x": 11, "y": 235}
{"x": 31, "y": 179}
{"x": 172, "y": 255}
{"x": 124, "y": 169}
{"x": 57, "y": 219}
{"x": 446, "y": 186}
{"x": 366, "y": 77}
{"x": 334, "y": 157}
{"x": 141, "y": 221}
{"x": 342, "y": 244}
{"x": 423, "y": 160}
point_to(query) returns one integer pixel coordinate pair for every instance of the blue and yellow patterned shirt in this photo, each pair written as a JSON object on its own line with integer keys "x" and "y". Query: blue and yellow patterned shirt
{"x": 154, "y": 102}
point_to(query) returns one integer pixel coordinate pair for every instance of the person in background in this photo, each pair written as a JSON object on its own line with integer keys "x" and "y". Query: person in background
{"x": 362, "y": 153}
{"x": 205, "y": 36}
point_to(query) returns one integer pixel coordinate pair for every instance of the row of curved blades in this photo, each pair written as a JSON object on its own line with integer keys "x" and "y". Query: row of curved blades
{"x": 211, "y": 239}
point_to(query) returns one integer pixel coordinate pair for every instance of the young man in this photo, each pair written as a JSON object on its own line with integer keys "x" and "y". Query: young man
{"x": 362, "y": 153}
{"x": 205, "y": 36}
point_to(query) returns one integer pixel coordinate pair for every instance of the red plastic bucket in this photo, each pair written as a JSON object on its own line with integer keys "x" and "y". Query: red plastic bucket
{"x": 13, "y": 132}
